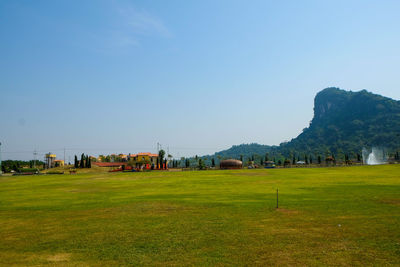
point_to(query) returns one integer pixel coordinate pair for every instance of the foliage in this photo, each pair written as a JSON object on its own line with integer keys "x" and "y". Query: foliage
{"x": 344, "y": 123}
{"x": 17, "y": 165}
{"x": 76, "y": 165}
{"x": 82, "y": 162}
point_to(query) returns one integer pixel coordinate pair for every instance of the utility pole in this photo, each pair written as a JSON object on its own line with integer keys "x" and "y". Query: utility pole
{"x": 64, "y": 155}
{"x": 34, "y": 158}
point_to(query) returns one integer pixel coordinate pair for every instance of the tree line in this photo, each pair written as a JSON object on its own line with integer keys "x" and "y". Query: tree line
{"x": 85, "y": 162}
{"x": 20, "y": 165}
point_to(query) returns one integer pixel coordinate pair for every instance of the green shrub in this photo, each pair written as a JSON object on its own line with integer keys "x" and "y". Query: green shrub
{"x": 55, "y": 172}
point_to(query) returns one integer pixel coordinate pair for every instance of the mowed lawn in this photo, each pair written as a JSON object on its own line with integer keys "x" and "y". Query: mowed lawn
{"x": 327, "y": 216}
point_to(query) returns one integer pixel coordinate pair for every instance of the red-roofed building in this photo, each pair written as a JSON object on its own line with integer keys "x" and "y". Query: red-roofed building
{"x": 110, "y": 164}
{"x": 144, "y": 160}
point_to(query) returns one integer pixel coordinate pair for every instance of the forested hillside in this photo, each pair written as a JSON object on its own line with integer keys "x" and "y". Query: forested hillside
{"x": 344, "y": 123}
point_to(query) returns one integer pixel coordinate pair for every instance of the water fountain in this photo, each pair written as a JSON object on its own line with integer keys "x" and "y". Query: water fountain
{"x": 375, "y": 157}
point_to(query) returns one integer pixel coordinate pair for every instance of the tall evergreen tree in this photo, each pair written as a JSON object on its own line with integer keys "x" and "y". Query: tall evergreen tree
{"x": 82, "y": 163}
{"x": 201, "y": 164}
{"x": 161, "y": 155}
{"x": 212, "y": 162}
{"x": 319, "y": 159}
{"x": 266, "y": 157}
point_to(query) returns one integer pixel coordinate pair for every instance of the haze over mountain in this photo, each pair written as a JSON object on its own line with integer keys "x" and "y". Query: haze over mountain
{"x": 343, "y": 122}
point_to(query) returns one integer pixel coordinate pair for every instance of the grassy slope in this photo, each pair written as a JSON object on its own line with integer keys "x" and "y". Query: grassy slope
{"x": 203, "y": 218}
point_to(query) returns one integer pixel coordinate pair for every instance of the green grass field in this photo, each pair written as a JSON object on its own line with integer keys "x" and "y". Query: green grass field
{"x": 327, "y": 216}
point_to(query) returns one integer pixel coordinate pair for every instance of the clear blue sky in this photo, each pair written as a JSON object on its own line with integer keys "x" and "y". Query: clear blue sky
{"x": 197, "y": 76}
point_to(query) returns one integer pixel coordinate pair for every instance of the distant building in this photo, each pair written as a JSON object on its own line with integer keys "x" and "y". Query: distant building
{"x": 144, "y": 160}
{"x": 49, "y": 160}
{"x": 230, "y": 164}
{"x": 58, "y": 163}
{"x": 269, "y": 164}
{"x": 110, "y": 164}
{"x": 123, "y": 157}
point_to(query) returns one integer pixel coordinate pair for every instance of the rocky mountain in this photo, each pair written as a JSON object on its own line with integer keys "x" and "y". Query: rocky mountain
{"x": 344, "y": 122}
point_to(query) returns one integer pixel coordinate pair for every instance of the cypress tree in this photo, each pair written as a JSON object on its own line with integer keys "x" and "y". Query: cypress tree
{"x": 319, "y": 160}
{"x": 161, "y": 154}
{"x": 201, "y": 164}
{"x": 294, "y": 160}
{"x": 306, "y": 159}
{"x": 82, "y": 163}
{"x": 76, "y": 162}
{"x": 266, "y": 157}
{"x": 213, "y": 162}
{"x": 310, "y": 159}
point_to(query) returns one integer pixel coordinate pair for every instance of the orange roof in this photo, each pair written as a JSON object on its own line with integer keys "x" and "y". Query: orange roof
{"x": 144, "y": 154}
{"x": 58, "y": 160}
{"x": 109, "y": 164}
